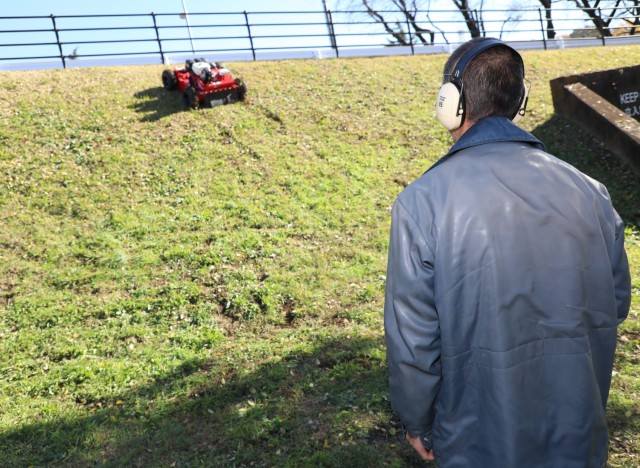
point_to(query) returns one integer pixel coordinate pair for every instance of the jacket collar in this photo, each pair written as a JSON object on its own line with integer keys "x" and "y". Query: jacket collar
{"x": 492, "y": 129}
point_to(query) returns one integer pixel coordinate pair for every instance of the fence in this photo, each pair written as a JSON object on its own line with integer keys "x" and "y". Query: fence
{"x": 82, "y": 40}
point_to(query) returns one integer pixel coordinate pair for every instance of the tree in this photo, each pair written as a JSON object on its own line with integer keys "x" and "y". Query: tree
{"x": 551, "y": 32}
{"x": 472, "y": 17}
{"x": 409, "y": 9}
{"x": 601, "y": 21}
{"x": 634, "y": 12}
{"x": 407, "y": 30}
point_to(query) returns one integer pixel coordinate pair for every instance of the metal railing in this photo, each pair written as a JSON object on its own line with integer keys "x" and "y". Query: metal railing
{"x": 77, "y": 40}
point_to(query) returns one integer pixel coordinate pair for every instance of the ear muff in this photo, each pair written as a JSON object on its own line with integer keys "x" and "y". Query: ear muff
{"x": 449, "y": 106}
{"x": 523, "y": 104}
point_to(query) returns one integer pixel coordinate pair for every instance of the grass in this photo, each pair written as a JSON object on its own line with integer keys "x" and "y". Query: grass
{"x": 198, "y": 288}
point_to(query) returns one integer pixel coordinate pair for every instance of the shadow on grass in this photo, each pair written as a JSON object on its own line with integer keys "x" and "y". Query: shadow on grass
{"x": 569, "y": 142}
{"x": 157, "y": 103}
{"x": 325, "y": 405}
{"x": 623, "y": 418}
{"x": 623, "y": 409}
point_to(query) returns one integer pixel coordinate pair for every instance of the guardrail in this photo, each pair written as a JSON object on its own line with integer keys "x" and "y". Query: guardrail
{"x": 28, "y": 42}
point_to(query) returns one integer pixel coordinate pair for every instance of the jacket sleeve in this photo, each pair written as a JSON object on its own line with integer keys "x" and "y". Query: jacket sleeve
{"x": 621, "y": 274}
{"x": 412, "y": 331}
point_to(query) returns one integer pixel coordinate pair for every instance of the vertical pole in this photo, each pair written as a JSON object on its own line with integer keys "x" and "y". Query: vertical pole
{"x": 253, "y": 50}
{"x": 155, "y": 26}
{"x": 329, "y": 20}
{"x": 602, "y": 27}
{"x": 55, "y": 30}
{"x": 186, "y": 17}
{"x": 332, "y": 32}
{"x": 544, "y": 39}
{"x": 413, "y": 52}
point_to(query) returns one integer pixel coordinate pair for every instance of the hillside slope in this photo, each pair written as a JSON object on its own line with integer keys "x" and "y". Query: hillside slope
{"x": 206, "y": 287}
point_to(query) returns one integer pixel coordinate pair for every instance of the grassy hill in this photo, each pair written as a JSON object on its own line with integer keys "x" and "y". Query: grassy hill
{"x": 186, "y": 288}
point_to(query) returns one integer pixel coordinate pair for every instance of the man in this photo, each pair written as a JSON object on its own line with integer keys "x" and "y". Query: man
{"x": 507, "y": 278}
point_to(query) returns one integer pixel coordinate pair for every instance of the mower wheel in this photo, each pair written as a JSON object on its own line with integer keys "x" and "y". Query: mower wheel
{"x": 242, "y": 88}
{"x": 190, "y": 98}
{"x": 169, "y": 80}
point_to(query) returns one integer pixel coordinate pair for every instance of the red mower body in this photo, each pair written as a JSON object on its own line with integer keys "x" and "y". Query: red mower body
{"x": 204, "y": 84}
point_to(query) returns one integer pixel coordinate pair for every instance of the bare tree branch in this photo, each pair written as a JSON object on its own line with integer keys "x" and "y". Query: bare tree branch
{"x": 409, "y": 28}
{"x": 398, "y": 34}
{"x": 444, "y": 37}
{"x": 601, "y": 21}
{"x": 546, "y": 4}
{"x": 634, "y": 11}
{"x": 410, "y": 15}
{"x": 471, "y": 22}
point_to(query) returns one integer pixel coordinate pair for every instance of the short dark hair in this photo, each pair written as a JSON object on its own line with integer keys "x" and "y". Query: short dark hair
{"x": 493, "y": 82}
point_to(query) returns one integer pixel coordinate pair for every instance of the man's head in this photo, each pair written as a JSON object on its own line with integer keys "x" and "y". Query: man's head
{"x": 492, "y": 83}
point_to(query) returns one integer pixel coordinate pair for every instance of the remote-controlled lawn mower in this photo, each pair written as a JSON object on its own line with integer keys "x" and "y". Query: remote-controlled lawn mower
{"x": 204, "y": 84}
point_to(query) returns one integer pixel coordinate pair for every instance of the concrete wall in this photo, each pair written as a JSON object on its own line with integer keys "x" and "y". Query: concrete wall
{"x": 607, "y": 105}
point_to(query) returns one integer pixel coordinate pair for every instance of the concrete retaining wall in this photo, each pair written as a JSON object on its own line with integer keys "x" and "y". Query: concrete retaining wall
{"x": 606, "y": 104}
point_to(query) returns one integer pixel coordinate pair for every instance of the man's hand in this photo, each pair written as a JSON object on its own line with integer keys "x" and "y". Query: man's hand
{"x": 425, "y": 454}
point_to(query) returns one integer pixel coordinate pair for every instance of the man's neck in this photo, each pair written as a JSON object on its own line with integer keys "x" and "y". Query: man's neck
{"x": 458, "y": 132}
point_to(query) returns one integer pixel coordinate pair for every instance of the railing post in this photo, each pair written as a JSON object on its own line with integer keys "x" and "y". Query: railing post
{"x": 544, "y": 39}
{"x": 246, "y": 20}
{"x": 155, "y": 26}
{"x": 332, "y": 33}
{"x": 55, "y": 30}
{"x": 413, "y": 52}
{"x": 604, "y": 43}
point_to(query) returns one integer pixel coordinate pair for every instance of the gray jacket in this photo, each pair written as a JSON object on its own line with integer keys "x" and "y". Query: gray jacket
{"x": 507, "y": 277}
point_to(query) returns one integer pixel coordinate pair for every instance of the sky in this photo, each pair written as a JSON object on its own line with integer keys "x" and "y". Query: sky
{"x": 79, "y": 7}
{"x": 227, "y": 41}
{"x": 167, "y": 10}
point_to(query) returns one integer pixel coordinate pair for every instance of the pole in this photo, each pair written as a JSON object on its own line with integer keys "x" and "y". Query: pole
{"x": 155, "y": 26}
{"x": 333, "y": 35}
{"x": 328, "y": 19}
{"x": 601, "y": 27}
{"x": 55, "y": 30}
{"x": 413, "y": 52}
{"x": 253, "y": 50}
{"x": 544, "y": 39}
{"x": 186, "y": 17}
